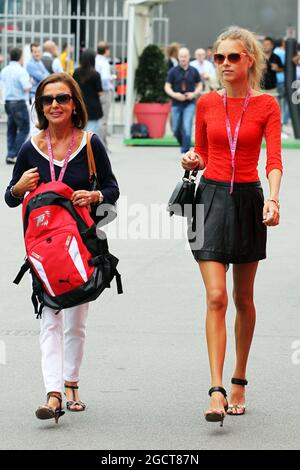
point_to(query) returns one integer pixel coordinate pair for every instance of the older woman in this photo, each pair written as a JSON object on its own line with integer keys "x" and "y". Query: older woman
{"x": 61, "y": 117}
{"x": 230, "y": 125}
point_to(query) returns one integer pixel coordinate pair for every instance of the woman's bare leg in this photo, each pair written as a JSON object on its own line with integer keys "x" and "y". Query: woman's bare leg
{"x": 243, "y": 281}
{"x": 214, "y": 277}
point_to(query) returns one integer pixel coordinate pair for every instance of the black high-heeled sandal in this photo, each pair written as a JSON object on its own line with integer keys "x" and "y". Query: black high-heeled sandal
{"x": 214, "y": 416}
{"x": 74, "y": 402}
{"x": 48, "y": 412}
{"x": 239, "y": 409}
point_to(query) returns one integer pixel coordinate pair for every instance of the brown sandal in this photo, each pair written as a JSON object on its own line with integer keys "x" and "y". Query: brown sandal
{"x": 74, "y": 402}
{"x": 48, "y": 412}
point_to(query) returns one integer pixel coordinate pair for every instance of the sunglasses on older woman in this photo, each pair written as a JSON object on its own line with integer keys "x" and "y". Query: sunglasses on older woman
{"x": 62, "y": 98}
{"x": 233, "y": 57}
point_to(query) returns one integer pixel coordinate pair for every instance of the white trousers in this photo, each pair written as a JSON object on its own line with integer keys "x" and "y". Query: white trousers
{"x": 62, "y": 339}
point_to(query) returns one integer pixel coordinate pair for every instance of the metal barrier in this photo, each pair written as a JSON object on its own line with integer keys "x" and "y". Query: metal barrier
{"x": 80, "y": 23}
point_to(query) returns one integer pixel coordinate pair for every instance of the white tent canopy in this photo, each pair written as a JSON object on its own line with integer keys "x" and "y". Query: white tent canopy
{"x": 298, "y": 33}
{"x": 140, "y": 34}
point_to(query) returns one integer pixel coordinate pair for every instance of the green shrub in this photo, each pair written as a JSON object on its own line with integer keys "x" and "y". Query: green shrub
{"x": 150, "y": 76}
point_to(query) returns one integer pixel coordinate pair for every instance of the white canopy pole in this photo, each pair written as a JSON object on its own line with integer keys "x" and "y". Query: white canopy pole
{"x": 140, "y": 35}
{"x": 298, "y": 29}
{"x": 130, "y": 71}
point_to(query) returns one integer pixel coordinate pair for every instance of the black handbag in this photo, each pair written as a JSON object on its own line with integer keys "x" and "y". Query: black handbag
{"x": 183, "y": 197}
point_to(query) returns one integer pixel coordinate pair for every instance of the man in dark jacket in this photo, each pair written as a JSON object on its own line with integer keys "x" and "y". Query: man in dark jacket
{"x": 273, "y": 65}
{"x": 183, "y": 85}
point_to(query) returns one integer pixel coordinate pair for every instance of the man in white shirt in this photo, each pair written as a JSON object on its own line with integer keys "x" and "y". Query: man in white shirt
{"x": 50, "y": 57}
{"x": 205, "y": 68}
{"x": 17, "y": 85}
{"x": 102, "y": 66}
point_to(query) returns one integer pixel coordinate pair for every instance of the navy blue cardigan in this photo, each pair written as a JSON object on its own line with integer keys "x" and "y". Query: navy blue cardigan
{"x": 76, "y": 175}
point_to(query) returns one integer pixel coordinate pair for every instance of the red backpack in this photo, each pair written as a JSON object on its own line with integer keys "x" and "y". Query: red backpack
{"x": 68, "y": 258}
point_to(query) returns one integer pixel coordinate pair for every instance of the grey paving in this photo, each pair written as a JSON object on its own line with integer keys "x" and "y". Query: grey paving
{"x": 145, "y": 372}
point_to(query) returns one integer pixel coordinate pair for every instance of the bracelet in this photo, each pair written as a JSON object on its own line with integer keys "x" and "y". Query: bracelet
{"x": 11, "y": 190}
{"x": 275, "y": 201}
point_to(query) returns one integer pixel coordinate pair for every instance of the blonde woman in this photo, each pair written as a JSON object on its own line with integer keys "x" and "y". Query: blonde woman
{"x": 230, "y": 126}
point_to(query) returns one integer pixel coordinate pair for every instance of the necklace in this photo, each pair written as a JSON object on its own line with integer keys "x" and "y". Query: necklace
{"x": 51, "y": 159}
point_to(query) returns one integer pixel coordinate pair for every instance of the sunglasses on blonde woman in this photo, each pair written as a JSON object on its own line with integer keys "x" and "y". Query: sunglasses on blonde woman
{"x": 233, "y": 57}
{"x": 62, "y": 98}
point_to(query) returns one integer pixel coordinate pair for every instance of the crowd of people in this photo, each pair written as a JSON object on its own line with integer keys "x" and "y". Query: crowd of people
{"x": 20, "y": 82}
{"x": 96, "y": 81}
{"x": 182, "y": 81}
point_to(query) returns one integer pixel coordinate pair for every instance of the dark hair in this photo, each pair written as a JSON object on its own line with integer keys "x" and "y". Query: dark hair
{"x": 15, "y": 54}
{"x": 80, "y": 118}
{"x": 87, "y": 59}
{"x": 268, "y": 38}
{"x": 279, "y": 42}
{"x": 34, "y": 44}
{"x": 101, "y": 50}
{"x": 87, "y": 65}
{"x": 65, "y": 45}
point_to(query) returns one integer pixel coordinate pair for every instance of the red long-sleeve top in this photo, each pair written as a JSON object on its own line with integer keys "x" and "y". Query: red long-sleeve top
{"x": 261, "y": 119}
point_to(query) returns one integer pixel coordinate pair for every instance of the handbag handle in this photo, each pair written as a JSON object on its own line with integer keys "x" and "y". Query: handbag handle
{"x": 90, "y": 156}
{"x": 190, "y": 175}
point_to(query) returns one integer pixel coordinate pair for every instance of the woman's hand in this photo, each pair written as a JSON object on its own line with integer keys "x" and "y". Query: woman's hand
{"x": 270, "y": 214}
{"x": 191, "y": 161}
{"x": 28, "y": 182}
{"x": 84, "y": 198}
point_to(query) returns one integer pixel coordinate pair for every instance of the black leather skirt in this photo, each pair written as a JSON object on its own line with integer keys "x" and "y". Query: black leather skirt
{"x": 228, "y": 227}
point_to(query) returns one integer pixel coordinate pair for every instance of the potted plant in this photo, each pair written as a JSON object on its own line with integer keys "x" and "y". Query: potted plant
{"x": 152, "y": 107}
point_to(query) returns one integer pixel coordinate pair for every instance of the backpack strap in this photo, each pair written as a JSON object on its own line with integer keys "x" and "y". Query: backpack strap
{"x": 109, "y": 269}
{"x": 36, "y": 298}
{"x": 119, "y": 282}
{"x": 24, "y": 268}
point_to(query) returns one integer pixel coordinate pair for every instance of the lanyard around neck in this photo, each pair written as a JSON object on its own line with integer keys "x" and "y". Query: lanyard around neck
{"x": 233, "y": 141}
{"x": 184, "y": 80}
{"x": 50, "y": 154}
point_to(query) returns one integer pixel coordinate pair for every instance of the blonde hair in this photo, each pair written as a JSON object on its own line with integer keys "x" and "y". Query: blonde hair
{"x": 253, "y": 48}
